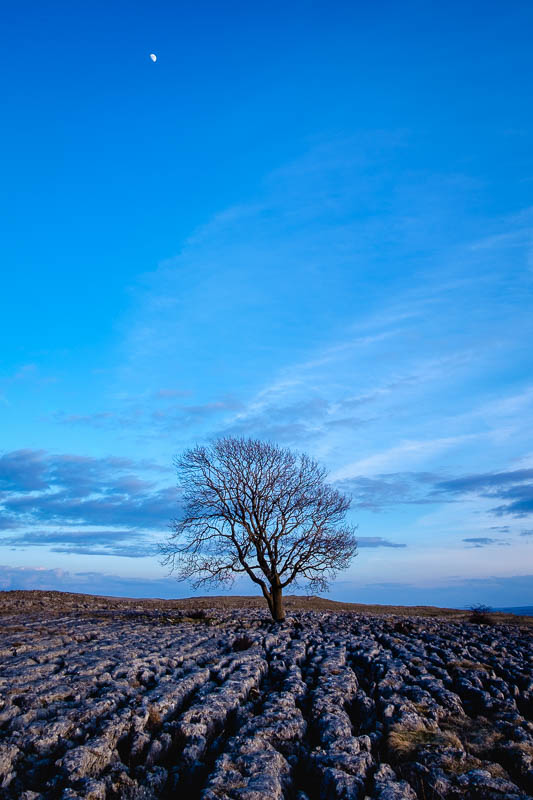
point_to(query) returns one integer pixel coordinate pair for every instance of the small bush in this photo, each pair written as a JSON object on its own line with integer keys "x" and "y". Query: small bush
{"x": 197, "y": 613}
{"x": 194, "y": 616}
{"x": 154, "y": 720}
{"x": 242, "y": 643}
{"x": 404, "y": 626}
{"x": 480, "y": 614}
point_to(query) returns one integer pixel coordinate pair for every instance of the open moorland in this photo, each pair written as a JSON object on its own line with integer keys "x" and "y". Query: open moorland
{"x": 208, "y": 698}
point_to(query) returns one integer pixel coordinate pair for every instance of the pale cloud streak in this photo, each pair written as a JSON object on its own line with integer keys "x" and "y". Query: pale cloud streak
{"x": 406, "y": 455}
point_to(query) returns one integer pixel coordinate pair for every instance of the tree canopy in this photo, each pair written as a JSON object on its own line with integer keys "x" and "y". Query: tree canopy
{"x": 254, "y": 508}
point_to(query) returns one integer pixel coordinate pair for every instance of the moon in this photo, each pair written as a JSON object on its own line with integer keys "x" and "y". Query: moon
{"x": 153, "y": 56}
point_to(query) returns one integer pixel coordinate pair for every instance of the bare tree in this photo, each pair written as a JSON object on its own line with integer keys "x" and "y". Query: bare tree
{"x": 255, "y": 508}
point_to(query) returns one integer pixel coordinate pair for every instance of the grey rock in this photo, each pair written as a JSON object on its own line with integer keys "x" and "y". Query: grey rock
{"x": 137, "y": 703}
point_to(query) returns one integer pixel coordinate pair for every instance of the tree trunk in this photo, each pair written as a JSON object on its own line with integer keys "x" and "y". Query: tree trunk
{"x": 277, "y": 609}
{"x": 275, "y": 602}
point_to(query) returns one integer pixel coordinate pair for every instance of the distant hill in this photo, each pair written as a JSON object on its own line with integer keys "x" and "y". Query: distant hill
{"x": 25, "y": 601}
{"x": 520, "y": 611}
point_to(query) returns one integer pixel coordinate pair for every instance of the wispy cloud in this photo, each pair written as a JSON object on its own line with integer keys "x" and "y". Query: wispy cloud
{"x": 377, "y": 541}
{"x": 407, "y": 453}
{"x": 389, "y": 490}
{"x": 128, "y": 543}
{"x": 296, "y": 422}
{"x": 519, "y": 237}
{"x": 151, "y": 416}
{"x": 515, "y": 488}
{"x": 484, "y": 541}
{"x": 40, "y": 490}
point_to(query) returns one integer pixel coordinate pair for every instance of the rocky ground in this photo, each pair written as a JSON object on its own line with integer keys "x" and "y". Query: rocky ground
{"x": 139, "y": 700}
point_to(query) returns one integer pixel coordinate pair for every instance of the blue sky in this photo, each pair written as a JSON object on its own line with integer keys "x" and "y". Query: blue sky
{"x": 312, "y": 224}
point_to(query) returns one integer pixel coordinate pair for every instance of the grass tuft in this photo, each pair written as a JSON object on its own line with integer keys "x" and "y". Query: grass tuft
{"x": 466, "y": 664}
{"x": 403, "y": 744}
{"x": 478, "y": 735}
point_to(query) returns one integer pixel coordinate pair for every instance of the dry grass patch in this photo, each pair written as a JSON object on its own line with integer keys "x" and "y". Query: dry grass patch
{"x": 497, "y": 771}
{"x": 458, "y": 766}
{"x": 466, "y": 664}
{"x": 404, "y": 744}
{"x": 478, "y": 736}
{"x": 515, "y": 749}
{"x": 422, "y": 707}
